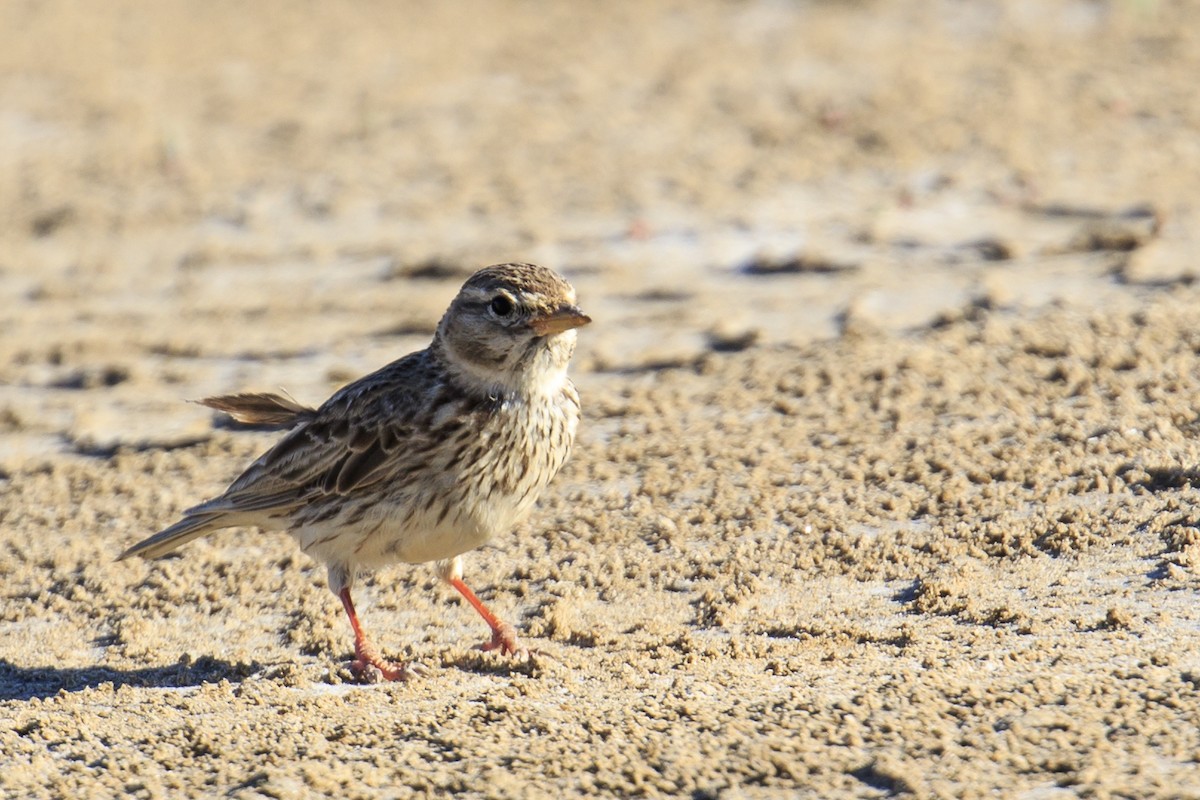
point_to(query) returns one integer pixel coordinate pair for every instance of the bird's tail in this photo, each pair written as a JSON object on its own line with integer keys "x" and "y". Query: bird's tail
{"x": 178, "y": 534}
{"x": 261, "y": 409}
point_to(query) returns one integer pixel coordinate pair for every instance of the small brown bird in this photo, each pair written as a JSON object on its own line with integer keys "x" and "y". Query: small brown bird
{"x": 423, "y": 460}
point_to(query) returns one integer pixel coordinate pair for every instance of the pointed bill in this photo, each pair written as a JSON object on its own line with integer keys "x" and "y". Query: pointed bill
{"x": 563, "y": 319}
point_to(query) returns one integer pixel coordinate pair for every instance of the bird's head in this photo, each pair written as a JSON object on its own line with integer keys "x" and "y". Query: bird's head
{"x": 511, "y": 329}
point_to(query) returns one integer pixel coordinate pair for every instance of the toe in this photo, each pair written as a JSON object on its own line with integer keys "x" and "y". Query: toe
{"x": 380, "y": 671}
{"x": 505, "y": 640}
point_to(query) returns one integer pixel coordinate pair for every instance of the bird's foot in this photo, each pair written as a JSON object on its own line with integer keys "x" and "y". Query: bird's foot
{"x": 381, "y": 671}
{"x": 505, "y": 640}
{"x": 368, "y": 666}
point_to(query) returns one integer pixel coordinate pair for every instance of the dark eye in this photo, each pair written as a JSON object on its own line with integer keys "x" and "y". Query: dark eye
{"x": 501, "y": 306}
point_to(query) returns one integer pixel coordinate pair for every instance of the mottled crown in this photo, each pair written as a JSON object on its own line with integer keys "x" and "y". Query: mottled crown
{"x": 543, "y": 289}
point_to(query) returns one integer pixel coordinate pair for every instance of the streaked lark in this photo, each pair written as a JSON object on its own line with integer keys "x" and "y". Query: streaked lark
{"x": 423, "y": 460}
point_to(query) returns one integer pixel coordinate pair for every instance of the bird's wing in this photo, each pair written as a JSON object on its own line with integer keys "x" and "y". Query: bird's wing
{"x": 367, "y": 431}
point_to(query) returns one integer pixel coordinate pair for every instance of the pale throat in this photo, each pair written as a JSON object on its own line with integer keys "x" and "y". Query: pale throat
{"x": 544, "y": 375}
{"x": 546, "y": 381}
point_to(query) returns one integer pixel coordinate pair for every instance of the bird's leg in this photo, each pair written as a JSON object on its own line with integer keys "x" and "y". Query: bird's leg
{"x": 365, "y": 654}
{"x": 504, "y": 636}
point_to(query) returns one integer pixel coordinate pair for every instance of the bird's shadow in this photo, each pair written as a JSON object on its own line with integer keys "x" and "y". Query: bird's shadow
{"x": 26, "y": 683}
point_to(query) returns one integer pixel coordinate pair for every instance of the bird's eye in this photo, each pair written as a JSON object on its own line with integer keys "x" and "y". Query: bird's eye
{"x": 501, "y": 306}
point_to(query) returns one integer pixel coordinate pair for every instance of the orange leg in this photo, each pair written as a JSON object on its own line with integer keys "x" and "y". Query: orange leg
{"x": 504, "y": 636}
{"x": 365, "y": 654}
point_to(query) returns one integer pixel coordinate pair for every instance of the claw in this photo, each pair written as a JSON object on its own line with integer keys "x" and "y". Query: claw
{"x": 505, "y": 639}
{"x": 368, "y": 666}
{"x": 504, "y": 636}
{"x": 378, "y": 671}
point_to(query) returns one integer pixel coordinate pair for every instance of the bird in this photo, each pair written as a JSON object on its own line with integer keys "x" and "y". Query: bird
{"x": 421, "y": 461}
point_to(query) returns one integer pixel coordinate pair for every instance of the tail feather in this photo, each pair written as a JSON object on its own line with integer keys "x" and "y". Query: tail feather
{"x": 253, "y": 409}
{"x": 261, "y": 408}
{"x": 178, "y": 534}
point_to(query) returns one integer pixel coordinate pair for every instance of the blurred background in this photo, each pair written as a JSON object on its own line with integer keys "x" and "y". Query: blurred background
{"x": 845, "y": 549}
{"x": 198, "y": 198}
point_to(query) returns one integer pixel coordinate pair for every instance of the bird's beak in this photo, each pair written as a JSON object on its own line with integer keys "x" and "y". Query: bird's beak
{"x": 563, "y": 319}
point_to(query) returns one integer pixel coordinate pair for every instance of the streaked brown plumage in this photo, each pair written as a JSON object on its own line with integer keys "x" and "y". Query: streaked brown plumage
{"x": 424, "y": 459}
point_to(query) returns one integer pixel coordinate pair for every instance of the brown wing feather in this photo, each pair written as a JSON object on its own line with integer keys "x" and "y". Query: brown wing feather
{"x": 261, "y": 408}
{"x": 361, "y": 469}
{"x": 343, "y": 446}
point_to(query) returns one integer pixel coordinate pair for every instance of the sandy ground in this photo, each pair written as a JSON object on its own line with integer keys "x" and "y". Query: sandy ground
{"x": 885, "y": 484}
